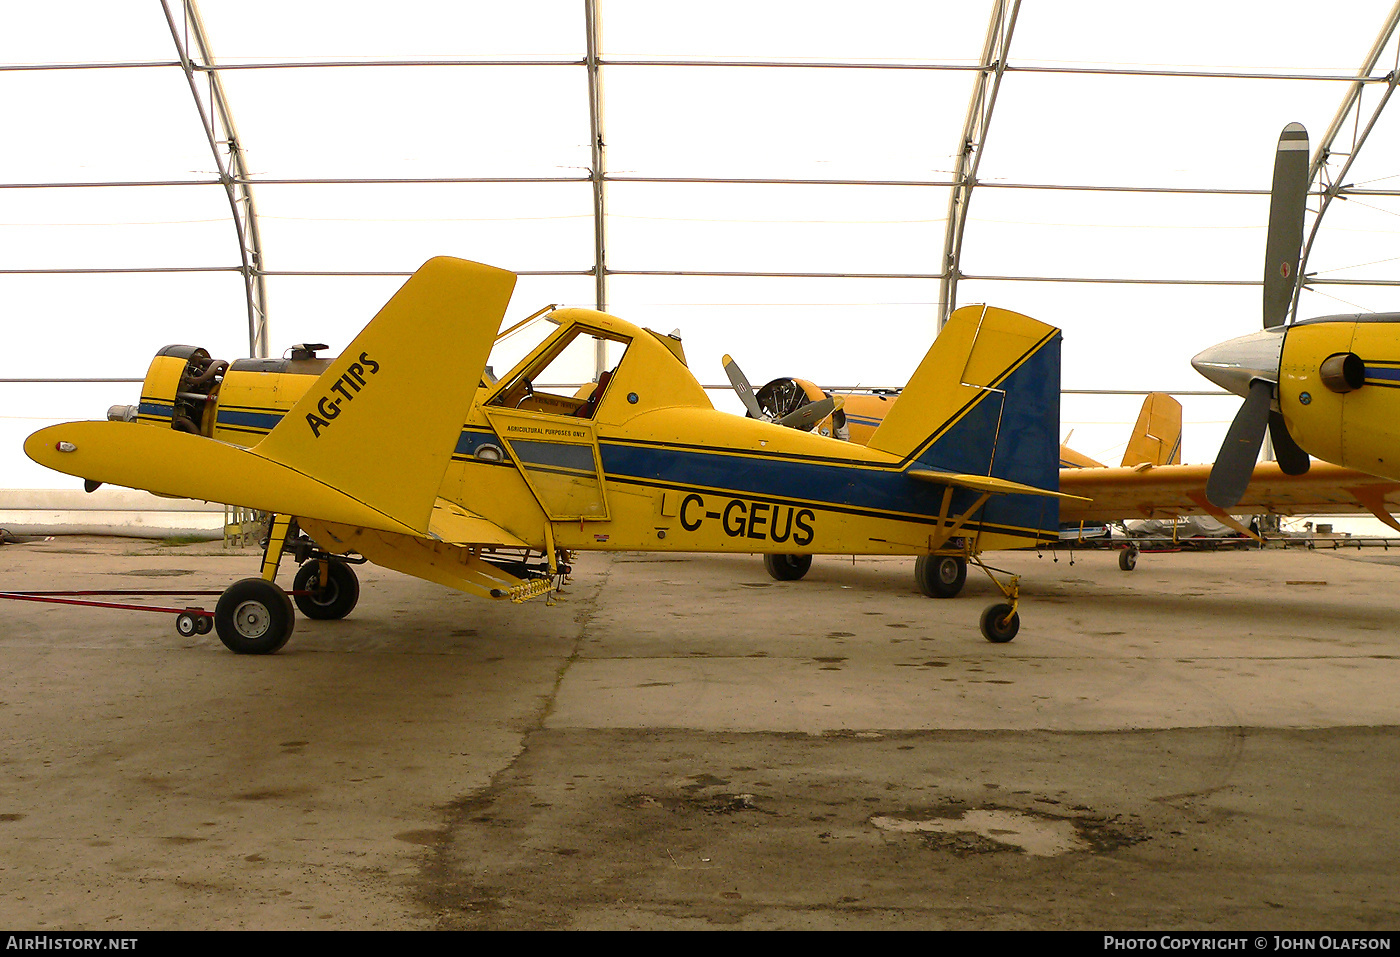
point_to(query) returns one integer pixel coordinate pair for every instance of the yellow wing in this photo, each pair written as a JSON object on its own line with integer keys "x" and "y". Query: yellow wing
{"x": 366, "y": 445}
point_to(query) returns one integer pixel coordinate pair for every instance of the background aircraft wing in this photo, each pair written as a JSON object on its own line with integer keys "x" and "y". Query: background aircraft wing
{"x": 1132, "y": 493}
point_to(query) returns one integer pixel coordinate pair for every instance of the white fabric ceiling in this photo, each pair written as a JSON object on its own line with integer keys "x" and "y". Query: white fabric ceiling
{"x": 876, "y": 93}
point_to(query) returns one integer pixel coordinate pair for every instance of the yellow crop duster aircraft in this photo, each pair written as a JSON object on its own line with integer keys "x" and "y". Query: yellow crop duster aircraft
{"x": 1326, "y": 386}
{"x": 403, "y": 452}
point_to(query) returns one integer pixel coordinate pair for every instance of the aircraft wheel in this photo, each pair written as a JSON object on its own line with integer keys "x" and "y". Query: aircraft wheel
{"x": 940, "y": 576}
{"x": 254, "y": 617}
{"x": 336, "y": 600}
{"x": 1127, "y": 558}
{"x": 787, "y": 568}
{"x": 1000, "y": 623}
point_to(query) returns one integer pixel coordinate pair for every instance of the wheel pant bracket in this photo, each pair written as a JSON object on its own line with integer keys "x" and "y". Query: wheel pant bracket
{"x": 1012, "y": 588}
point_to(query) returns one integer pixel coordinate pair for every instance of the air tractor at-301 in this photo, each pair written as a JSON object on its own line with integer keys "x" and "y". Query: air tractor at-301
{"x": 491, "y": 485}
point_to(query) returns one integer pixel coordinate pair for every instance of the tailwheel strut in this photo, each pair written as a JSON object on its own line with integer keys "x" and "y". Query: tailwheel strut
{"x": 1000, "y": 621}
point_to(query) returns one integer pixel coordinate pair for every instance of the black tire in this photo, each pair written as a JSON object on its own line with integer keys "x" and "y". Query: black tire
{"x": 203, "y": 624}
{"x": 787, "y": 568}
{"x": 1127, "y": 558}
{"x": 999, "y": 623}
{"x": 254, "y": 617}
{"x": 186, "y": 624}
{"x": 940, "y": 576}
{"x": 336, "y": 600}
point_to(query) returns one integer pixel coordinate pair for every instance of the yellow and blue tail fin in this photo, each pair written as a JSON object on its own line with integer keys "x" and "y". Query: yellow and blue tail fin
{"x": 985, "y": 401}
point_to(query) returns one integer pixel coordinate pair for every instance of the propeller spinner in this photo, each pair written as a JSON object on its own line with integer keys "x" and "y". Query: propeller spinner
{"x": 1249, "y": 365}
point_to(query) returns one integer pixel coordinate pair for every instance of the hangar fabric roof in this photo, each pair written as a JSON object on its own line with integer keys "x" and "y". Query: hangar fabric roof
{"x": 808, "y": 187}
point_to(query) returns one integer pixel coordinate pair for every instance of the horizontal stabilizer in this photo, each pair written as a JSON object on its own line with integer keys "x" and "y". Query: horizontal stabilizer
{"x": 985, "y": 483}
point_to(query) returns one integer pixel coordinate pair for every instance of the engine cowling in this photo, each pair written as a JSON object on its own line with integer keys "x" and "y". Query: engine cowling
{"x": 188, "y": 390}
{"x": 179, "y": 392}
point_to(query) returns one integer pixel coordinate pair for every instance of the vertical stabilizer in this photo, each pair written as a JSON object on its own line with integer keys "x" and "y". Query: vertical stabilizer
{"x": 986, "y": 401}
{"x": 1156, "y": 438}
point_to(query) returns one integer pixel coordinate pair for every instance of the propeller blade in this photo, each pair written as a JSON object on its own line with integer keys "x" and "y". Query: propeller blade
{"x": 1287, "y": 203}
{"x": 1234, "y": 466}
{"x": 811, "y": 413}
{"x": 741, "y": 386}
{"x": 1292, "y": 460}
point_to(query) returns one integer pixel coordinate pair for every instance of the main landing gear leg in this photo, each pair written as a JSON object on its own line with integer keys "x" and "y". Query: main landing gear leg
{"x": 1000, "y": 621}
{"x": 277, "y": 536}
{"x": 254, "y": 616}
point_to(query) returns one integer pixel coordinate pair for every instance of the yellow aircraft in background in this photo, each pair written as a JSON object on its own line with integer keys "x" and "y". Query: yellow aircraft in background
{"x": 403, "y": 452}
{"x": 854, "y": 416}
{"x": 1150, "y": 482}
{"x": 1155, "y": 439}
{"x": 1326, "y": 386}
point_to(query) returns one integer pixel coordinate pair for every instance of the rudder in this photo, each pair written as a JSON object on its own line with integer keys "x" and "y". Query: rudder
{"x": 986, "y": 401}
{"x": 1156, "y": 438}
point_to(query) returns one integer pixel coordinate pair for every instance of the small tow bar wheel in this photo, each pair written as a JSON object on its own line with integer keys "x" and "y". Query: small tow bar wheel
{"x": 254, "y": 617}
{"x": 1127, "y": 558}
{"x": 940, "y": 576}
{"x": 336, "y": 600}
{"x": 186, "y": 624}
{"x": 787, "y": 568}
{"x": 1000, "y": 623}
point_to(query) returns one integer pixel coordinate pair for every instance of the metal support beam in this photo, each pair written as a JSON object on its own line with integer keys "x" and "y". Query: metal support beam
{"x": 597, "y": 170}
{"x": 1330, "y": 184}
{"x": 974, "y": 137}
{"x": 193, "y": 47}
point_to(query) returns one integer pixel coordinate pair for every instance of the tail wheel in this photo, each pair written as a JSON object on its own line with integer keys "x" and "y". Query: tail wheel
{"x": 1127, "y": 558}
{"x": 940, "y": 576}
{"x": 336, "y": 599}
{"x": 787, "y": 568}
{"x": 254, "y": 617}
{"x": 1000, "y": 622}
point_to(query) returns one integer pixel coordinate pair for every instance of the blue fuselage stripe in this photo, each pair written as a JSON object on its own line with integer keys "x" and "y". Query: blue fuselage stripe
{"x": 864, "y": 490}
{"x": 248, "y": 420}
{"x": 1386, "y": 374}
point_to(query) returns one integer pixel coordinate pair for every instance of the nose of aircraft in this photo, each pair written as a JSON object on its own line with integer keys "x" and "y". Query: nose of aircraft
{"x": 1233, "y": 365}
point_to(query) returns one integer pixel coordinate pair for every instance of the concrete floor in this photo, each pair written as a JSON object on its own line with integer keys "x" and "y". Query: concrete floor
{"x": 1209, "y": 742}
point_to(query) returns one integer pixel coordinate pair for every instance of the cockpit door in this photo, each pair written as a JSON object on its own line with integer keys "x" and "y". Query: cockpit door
{"x": 558, "y": 457}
